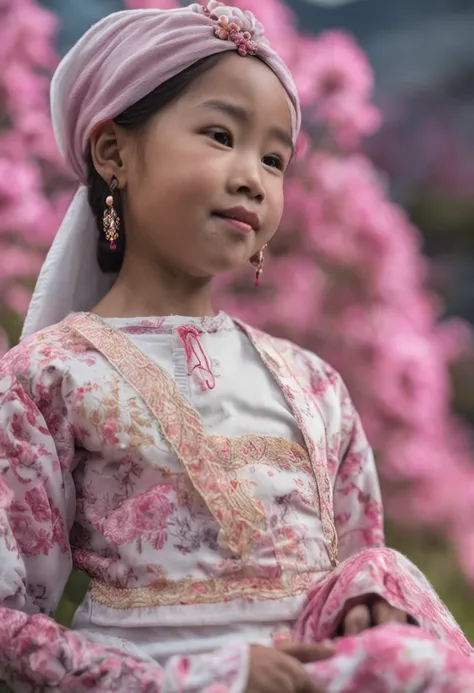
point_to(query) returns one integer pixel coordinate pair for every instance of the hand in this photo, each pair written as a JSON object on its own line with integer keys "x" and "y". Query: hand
{"x": 279, "y": 669}
{"x": 372, "y": 611}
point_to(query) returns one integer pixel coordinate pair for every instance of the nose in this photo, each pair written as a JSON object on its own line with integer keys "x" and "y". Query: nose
{"x": 246, "y": 177}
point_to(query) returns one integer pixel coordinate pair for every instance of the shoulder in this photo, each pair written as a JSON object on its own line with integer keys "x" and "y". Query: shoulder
{"x": 327, "y": 374}
{"x": 323, "y": 384}
{"x": 50, "y": 348}
{"x": 314, "y": 372}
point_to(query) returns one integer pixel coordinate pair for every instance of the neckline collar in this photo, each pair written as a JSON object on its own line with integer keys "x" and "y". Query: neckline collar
{"x": 166, "y": 324}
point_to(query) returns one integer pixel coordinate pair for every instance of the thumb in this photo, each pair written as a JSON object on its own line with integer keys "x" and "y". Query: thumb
{"x": 306, "y": 652}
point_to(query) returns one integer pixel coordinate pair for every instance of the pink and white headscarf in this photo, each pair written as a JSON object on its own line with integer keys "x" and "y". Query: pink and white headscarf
{"x": 117, "y": 62}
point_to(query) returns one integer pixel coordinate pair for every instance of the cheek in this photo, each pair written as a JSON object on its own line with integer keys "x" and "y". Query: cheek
{"x": 183, "y": 161}
{"x": 183, "y": 185}
{"x": 275, "y": 207}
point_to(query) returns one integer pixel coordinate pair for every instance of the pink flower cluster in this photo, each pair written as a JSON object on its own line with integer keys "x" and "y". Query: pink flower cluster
{"x": 349, "y": 280}
{"x": 30, "y": 164}
{"x": 335, "y": 82}
{"x": 345, "y": 269}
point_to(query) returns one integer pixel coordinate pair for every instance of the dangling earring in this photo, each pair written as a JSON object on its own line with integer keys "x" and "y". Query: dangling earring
{"x": 111, "y": 220}
{"x": 257, "y": 262}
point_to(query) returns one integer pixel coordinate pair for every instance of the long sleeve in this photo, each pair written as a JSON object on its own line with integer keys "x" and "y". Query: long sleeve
{"x": 37, "y": 503}
{"x": 367, "y": 567}
{"x": 357, "y": 500}
{"x": 36, "y": 491}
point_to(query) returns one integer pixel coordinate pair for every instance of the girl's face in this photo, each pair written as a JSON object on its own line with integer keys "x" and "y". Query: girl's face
{"x": 203, "y": 189}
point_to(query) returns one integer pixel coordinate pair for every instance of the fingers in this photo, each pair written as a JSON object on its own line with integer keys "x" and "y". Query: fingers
{"x": 383, "y": 612}
{"x": 301, "y": 680}
{"x": 312, "y": 686}
{"x": 356, "y": 620}
{"x": 271, "y": 670}
{"x": 308, "y": 652}
{"x": 375, "y": 612}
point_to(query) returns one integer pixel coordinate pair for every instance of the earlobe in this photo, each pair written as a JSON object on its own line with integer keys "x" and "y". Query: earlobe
{"x": 105, "y": 151}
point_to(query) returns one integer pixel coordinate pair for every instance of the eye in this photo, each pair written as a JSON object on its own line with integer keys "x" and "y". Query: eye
{"x": 222, "y": 136}
{"x": 273, "y": 161}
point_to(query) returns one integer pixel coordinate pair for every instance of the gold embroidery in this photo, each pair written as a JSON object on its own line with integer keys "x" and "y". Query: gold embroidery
{"x": 277, "y": 354}
{"x": 235, "y": 453}
{"x": 239, "y": 514}
{"x": 104, "y": 411}
{"x": 189, "y": 591}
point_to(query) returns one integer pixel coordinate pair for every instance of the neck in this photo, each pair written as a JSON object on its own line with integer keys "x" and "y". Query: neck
{"x": 142, "y": 290}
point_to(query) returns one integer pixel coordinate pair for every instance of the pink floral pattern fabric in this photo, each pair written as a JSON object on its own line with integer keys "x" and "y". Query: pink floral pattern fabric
{"x": 87, "y": 480}
{"x": 36, "y": 654}
{"x": 389, "y": 575}
{"x": 394, "y": 659}
{"x": 348, "y": 490}
{"x": 145, "y": 517}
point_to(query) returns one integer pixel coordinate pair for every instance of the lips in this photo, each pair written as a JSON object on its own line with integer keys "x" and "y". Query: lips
{"x": 240, "y": 214}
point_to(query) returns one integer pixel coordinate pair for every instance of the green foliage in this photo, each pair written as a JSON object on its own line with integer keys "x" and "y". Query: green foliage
{"x": 74, "y": 593}
{"x": 434, "y": 556}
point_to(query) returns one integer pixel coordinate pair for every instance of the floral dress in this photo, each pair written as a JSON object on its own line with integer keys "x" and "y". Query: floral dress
{"x": 216, "y": 485}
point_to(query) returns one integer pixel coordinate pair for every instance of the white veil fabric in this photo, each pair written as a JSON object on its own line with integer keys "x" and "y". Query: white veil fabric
{"x": 70, "y": 279}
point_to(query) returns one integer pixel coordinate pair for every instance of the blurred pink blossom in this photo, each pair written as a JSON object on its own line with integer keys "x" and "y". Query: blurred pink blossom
{"x": 17, "y": 298}
{"x": 19, "y": 261}
{"x": 29, "y": 159}
{"x": 351, "y": 286}
{"x": 345, "y": 270}
{"x": 23, "y": 90}
{"x": 28, "y": 32}
{"x": 336, "y": 66}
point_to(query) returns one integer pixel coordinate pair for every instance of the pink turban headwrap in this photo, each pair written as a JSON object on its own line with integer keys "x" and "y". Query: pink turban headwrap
{"x": 117, "y": 62}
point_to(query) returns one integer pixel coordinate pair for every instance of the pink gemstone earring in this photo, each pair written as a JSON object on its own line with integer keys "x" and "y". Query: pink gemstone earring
{"x": 111, "y": 220}
{"x": 257, "y": 262}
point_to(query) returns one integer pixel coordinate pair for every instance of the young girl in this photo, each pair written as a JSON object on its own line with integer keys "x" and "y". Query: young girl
{"x": 214, "y": 482}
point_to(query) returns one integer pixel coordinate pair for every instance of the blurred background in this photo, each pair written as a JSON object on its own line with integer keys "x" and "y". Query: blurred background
{"x": 373, "y": 267}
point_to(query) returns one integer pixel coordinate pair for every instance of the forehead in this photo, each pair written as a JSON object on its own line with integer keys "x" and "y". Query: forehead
{"x": 249, "y": 81}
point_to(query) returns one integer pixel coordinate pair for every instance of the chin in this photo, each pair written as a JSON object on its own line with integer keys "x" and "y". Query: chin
{"x": 225, "y": 268}
{"x": 219, "y": 263}
{"x": 217, "y": 266}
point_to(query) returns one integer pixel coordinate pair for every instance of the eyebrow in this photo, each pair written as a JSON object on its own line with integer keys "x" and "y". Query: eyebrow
{"x": 241, "y": 114}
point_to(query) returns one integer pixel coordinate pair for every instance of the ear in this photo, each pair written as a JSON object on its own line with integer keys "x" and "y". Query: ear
{"x": 107, "y": 152}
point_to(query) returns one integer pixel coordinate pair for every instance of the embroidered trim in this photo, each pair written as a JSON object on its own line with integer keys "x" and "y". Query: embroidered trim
{"x": 189, "y": 591}
{"x": 273, "y": 358}
{"x": 240, "y": 516}
{"x": 281, "y": 453}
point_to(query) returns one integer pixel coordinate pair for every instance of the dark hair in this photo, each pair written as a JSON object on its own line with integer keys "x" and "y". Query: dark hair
{"x": 135, "y": 117}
